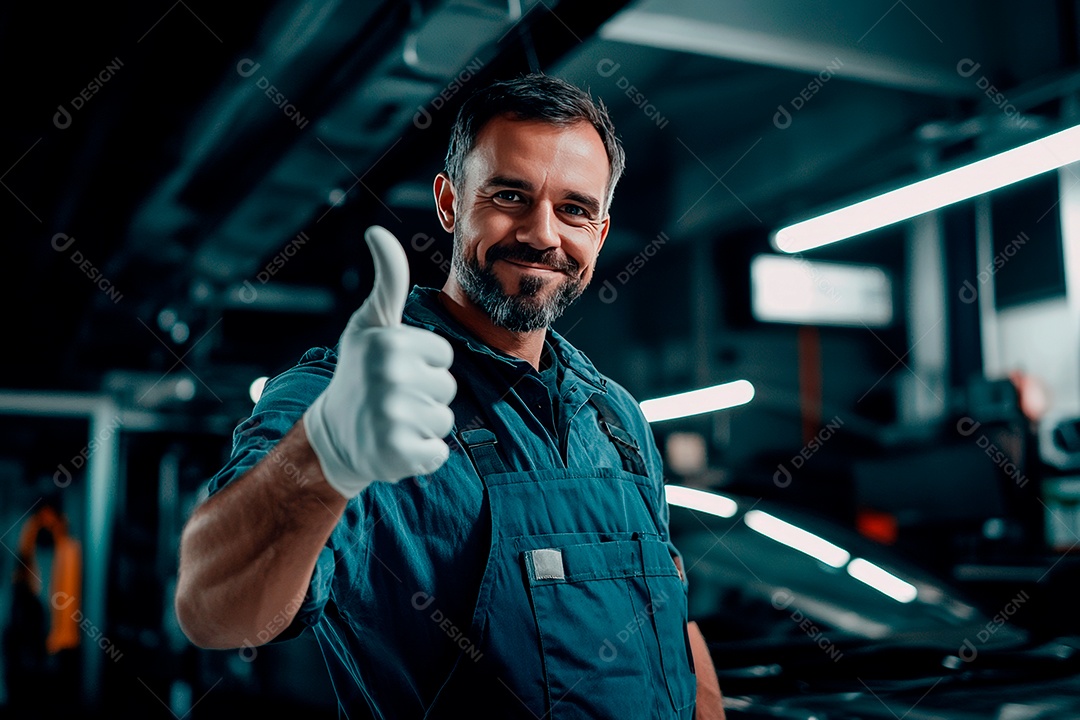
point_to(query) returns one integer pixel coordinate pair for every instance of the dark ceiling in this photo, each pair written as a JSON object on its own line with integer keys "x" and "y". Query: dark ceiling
{"x": 185, "y": 185}
{"x": 159, "y": 157}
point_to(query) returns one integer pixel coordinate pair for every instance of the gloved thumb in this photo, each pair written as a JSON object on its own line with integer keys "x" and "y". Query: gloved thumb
{"x": 384, "y": 306}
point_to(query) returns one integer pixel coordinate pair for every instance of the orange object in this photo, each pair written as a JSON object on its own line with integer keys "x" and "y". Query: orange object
{"x": 65, "y": 583}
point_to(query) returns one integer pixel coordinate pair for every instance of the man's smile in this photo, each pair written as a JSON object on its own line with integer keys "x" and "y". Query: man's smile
{"x": 536, "y": 267}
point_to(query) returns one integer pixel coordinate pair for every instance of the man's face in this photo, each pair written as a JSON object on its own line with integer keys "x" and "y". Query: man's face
{"x": 528, "y": 218}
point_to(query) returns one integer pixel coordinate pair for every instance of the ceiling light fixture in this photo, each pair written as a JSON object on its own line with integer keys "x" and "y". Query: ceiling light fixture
{"x": 701, "y": 500}
{"x": 882, "y": 580}
{"x": 965, "y": 182}
{"x": 695, "y": 402}
{"x": 796, "y": 538}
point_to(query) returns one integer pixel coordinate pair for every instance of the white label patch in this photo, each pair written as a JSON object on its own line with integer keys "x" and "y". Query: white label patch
{"x": 547, "y": 564}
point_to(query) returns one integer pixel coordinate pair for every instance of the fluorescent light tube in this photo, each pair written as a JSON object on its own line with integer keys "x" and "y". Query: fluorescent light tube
{"x": 796, "y": 538}
{"x": 963, "y": 183}
{"x": 701, "y": 500}
{"x": 695, "y": 402}
{"x": 882, "y": 580}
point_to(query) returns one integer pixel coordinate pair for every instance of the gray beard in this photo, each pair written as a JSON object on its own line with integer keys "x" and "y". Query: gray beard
{"x": 524, "y": 312}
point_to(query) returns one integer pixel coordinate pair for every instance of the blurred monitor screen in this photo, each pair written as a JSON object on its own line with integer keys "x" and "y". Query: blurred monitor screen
{"x": 795, "y": 290}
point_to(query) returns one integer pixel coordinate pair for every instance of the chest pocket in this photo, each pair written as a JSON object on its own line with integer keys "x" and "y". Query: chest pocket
{"x": 611, "y": 617}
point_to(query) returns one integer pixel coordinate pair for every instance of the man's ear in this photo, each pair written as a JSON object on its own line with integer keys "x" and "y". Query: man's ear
{"x": 444, "y": 201}
{"x": 605, "y": 225}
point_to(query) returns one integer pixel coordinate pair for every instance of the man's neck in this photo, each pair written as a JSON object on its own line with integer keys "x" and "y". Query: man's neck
{"x": 527, "y": 345}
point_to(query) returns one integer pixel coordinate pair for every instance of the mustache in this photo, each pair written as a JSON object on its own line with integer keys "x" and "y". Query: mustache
{"x": 551, "y": 257}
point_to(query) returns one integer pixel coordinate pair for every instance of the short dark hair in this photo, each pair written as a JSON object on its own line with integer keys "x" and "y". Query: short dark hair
{"x": 535, "y": 96}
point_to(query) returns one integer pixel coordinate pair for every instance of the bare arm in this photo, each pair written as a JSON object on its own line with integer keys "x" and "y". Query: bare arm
{"x": 710, "y": 703}
{"x": 248, "y": 552}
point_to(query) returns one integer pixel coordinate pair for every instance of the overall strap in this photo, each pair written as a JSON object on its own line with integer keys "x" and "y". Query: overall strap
{"x": 471, "y": 431}
{"x": 608, "y": 417}
{"x": 480, "y": 445}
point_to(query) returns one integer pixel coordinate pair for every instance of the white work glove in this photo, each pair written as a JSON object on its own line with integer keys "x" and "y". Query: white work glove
{"x": 386, "y": 410}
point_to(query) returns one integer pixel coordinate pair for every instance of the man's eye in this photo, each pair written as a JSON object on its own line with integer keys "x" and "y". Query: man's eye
{"x": 508, "y": 195}
{"x": 576, "y": 210}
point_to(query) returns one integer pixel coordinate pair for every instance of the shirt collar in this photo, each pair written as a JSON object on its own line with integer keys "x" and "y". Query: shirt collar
{"x": 424, "y": 309}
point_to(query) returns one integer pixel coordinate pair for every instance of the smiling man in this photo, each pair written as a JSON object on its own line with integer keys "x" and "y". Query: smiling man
{"x": 465, "y": 512}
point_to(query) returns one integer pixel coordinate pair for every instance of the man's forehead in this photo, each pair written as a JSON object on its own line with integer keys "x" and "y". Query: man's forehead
{"x": 507, "y": 148}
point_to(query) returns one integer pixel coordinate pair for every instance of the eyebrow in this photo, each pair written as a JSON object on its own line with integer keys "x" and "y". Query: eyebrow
{"x": 517, "y": 184}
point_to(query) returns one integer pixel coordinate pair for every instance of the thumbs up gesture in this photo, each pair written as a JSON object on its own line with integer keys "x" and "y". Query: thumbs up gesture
{"x": 386, "y": 410}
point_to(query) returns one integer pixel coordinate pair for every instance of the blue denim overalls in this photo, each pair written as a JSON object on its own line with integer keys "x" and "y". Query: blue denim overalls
{"x": 581, "y": 611}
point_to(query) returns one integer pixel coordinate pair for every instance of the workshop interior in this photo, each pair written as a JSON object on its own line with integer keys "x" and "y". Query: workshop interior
{"x": 842, "y": 278}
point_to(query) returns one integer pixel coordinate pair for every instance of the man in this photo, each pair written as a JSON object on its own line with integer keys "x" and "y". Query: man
{"x": 465, "y": 512}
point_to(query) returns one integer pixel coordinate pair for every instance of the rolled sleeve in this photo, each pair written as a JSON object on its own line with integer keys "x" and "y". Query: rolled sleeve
{"x": 282, "y": 403}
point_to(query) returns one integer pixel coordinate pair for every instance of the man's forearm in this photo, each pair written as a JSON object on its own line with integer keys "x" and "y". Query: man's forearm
{"x": 710, "y": 703}
{"x": 247, "y": 554}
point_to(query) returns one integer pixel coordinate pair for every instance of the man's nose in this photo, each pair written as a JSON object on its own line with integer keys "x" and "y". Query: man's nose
{"x": 539, "y": 227}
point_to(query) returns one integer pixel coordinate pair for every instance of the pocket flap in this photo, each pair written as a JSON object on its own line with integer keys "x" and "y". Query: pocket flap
{"x": 599, "y": 561}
